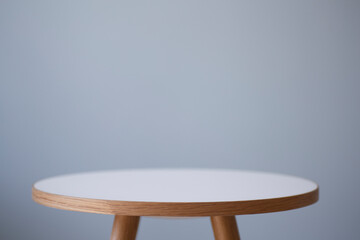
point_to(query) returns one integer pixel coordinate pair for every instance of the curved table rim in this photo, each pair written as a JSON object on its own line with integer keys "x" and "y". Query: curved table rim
{"x": 175, "y": 209}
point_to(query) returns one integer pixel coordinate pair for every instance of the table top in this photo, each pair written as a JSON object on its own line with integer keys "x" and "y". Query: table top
{"x": 176, "y": 192}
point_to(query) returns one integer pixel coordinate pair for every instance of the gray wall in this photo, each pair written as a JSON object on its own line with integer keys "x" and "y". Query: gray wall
{"x": 105, "y": 84}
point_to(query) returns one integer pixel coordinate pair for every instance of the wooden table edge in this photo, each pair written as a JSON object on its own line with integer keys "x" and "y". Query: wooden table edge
{"x": 174, "y": 209}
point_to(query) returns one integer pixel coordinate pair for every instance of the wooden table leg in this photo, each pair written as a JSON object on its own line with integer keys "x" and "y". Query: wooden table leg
{"x": 125, "y": 227}
{"x": 225, "y": 228}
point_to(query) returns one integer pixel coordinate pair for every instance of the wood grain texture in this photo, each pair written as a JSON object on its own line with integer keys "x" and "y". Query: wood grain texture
{"x": 175, "y": 209}
{"x": 125, "y": 227}
{"x": 225, "y": 228}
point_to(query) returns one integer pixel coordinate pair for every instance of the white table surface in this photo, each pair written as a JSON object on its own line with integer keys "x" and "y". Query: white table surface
{"x": 176, "y": 185}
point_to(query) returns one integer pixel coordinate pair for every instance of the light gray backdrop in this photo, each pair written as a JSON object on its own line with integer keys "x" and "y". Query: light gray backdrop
{"x": 113, "y": 84}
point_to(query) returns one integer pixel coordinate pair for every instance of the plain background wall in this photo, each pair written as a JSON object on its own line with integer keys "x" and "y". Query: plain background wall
{"x": 113, "y": 84}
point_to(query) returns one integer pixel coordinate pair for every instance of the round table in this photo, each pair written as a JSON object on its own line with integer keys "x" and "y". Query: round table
{"x": 218, "y": 194}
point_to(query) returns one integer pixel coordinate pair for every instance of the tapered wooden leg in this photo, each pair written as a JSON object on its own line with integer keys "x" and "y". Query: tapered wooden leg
{"x": 125, "y": 227}
{"x": 225, "y": 228}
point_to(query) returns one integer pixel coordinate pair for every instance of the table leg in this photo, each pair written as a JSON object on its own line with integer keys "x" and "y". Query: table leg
{"x": 225, "y": 228}
{"x": 125, "y": 227}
